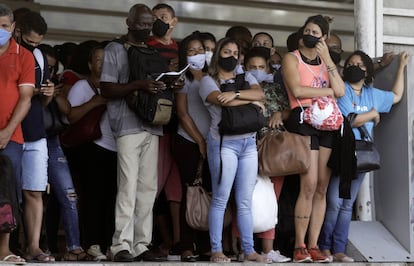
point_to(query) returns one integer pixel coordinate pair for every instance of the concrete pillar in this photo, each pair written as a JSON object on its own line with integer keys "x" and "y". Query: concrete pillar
{"x": 365, "y": 26}
{"x": 365, "y": 30}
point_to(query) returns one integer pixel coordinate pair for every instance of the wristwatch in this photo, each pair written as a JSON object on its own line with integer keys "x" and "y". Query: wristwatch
{"x": 237, "y": 94}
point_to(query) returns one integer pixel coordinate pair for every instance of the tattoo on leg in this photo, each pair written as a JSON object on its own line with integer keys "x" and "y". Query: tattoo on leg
{"x": 302, "y": 217}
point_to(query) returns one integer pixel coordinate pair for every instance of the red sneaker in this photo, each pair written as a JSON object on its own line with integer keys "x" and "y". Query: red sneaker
{"x": 317, "y": 255}
{"x": 300, "y": 254}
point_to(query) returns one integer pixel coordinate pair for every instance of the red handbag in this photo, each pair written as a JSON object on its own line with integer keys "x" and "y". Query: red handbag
{"x": 86, "y": 129}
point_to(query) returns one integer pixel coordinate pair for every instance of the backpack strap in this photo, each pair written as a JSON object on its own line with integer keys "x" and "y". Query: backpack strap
{"x": 41, "y": 61}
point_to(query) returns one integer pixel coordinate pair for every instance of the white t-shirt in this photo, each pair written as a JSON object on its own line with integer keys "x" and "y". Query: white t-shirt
{"x": 80, "y": 93}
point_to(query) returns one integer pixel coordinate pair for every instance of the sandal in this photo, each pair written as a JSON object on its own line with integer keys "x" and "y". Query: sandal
{"x": 219, "y": 257}
{"x": 41, "y": 257}
{"x": 77, "y": 255}
{"x": 13, "y": 259}
{"x": 257, "y": 258}
{"x": 188, "y": 256}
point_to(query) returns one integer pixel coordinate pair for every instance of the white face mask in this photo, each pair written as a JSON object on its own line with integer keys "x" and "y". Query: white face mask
{"x": 197, "y": 61}
{"x": 209, "y": 55}
{"x": 261, "y": 75}
{"x": 276, "y": 66}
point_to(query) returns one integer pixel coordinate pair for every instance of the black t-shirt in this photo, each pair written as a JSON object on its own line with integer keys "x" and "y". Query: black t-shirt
{"x": 32, "y": 125}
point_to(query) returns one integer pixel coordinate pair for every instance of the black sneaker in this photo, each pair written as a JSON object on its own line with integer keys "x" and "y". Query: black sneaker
{"x": 149, "y": 255}
{"x": 175, "y": 253}
{"x": 123, "y": 256}
{"x": 189, "y": 258}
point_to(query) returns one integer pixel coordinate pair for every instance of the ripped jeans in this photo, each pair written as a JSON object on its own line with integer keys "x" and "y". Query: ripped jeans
{"x": 63, "y": 191}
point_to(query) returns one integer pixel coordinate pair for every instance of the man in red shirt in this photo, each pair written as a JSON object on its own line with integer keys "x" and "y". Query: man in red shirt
{"x": 169, "y": 181}
{"x": 17, "y": 78}
{"x": 161, "y": 38}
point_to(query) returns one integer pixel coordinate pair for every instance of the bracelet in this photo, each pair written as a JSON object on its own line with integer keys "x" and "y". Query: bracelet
{"x": 331, "y": 68}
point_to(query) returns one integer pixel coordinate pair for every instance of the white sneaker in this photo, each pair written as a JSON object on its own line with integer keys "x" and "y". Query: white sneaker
{"x": 95, "y": 251}
{"x": 275, "y": 256}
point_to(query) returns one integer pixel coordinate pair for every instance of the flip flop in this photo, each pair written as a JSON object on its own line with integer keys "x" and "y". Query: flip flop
{"x": 41, "y": 257}
{"x": 219, "y": 258}
{"x": 12, "y": 259}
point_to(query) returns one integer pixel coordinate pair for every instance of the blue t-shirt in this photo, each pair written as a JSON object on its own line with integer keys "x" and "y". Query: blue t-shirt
{"x": 370, "y": 98}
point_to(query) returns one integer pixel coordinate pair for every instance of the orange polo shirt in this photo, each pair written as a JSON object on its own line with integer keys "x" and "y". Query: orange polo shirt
{"x": 17, "y": 67}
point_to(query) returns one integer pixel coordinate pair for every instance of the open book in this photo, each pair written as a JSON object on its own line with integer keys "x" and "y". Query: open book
{"x": 169, "y": 77}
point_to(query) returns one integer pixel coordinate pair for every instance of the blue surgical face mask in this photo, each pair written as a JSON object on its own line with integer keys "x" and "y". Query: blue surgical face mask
{"x": 261, "y": 76}
{"x": 239, "y": 69}
{"x": 4, "y": 36}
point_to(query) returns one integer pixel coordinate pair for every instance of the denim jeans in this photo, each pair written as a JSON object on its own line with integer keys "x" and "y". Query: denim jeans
{"x": 60, "y": 180}
{"x": 334, "y": 233}
{"x": 15, "y": 152}
{"x": 239, "y": 161}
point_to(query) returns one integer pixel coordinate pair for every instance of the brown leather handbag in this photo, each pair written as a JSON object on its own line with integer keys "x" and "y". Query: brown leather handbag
{"x": 198, "y": 204}
{"x": 283, "y": 153}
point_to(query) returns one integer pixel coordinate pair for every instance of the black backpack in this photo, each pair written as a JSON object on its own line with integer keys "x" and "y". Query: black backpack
{"x": 146, "y": 63}
{"x": 243, "y": 118}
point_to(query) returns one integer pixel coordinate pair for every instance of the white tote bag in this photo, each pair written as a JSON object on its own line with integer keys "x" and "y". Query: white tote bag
{"x": 264, "y": 205}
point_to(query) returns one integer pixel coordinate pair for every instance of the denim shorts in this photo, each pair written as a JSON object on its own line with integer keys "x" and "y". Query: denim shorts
{"x": 34, "y": 165}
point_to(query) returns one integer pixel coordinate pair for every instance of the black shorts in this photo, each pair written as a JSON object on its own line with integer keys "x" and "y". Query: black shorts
{"x": 318, "y": 137}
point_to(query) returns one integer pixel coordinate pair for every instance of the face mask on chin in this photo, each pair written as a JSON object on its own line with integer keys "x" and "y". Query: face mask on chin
{"x": 4, "y": 36}
{"x": 159, "y": 28}
{"x": 140, "y": 35}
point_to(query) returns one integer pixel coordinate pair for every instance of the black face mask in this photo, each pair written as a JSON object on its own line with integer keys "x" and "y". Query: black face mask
{"x": 159, "y": 28}
{"x": 336, "y": 57}
{"x": 140, "y": 35}
{"x": 27, "y": 46}
{"x": 353, "y": 74}
{"x": 310, "y": 41}
{"x": 227, "y": 63}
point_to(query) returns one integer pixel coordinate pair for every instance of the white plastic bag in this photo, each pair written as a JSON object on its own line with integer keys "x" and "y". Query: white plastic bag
{"x": 264, "y": 205}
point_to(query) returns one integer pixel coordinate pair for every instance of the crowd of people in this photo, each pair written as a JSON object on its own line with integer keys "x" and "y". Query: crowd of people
{"x": 122, "y": 197}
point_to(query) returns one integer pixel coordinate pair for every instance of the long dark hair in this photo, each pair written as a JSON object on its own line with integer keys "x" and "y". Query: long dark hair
{"x": 368, "y": 65}
{"x": 320, "y": 21}
{"x": 182, "y": 53}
